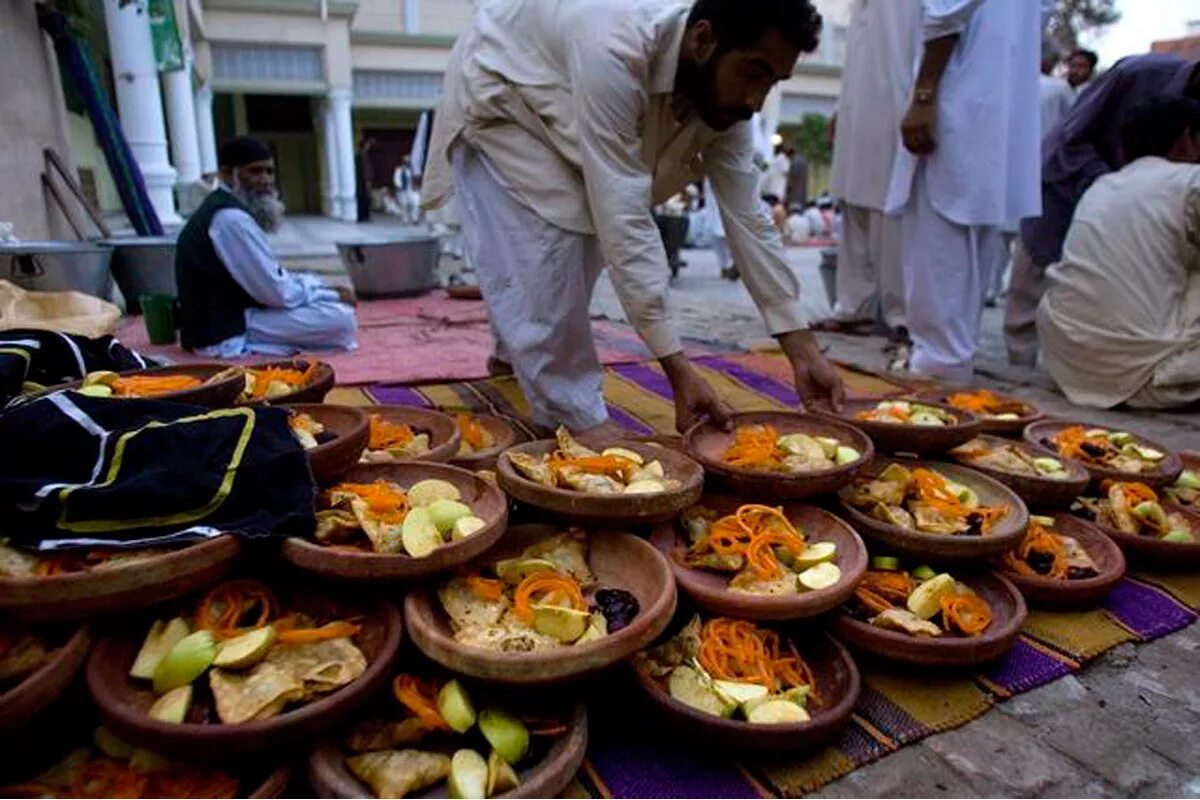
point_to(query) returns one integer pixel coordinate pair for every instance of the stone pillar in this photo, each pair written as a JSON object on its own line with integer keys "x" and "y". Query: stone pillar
{"x": 139, "y": 101}
{"x": 181, "y": 123}
{"x": 206, "y": 131}
{"x": 339, "y": 102}
{"x": 331, "y": 197}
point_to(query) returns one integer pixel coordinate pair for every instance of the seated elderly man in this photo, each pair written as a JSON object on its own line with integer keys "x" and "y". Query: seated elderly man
{"x": 234, "y": 297}
{"x": 1120, "y": 321}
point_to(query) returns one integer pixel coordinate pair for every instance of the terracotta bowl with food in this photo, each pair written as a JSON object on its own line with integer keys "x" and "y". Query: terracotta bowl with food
{"x": 454, "y": 495}
{"x": 201, "y": 384}
{"x": 1104, "y": 566}
{"x": 602, "y": 497}
{"x": 1008, "y": 612}
{"x": 989, "y": 521}
{"x": 926, "y": 427}
{"x": 779, "y": 454}
{"x": 263, "y": 668}
{"x": 54, "y": 665}
{"x": 498, "y": 434}
{"x": 832, "y": 562}
{"x": 402, "y": 433}
{"x": 999, "y": 415}
{"x": 295, "y": 380}
{"x": 1039, "y": 476}
{"x": 744, "y": 716}
{"x": 121, "y": 582}
{"x": 345, "y": 432}
{"x": 1108, "y": 453}
{"x": 485, "y": 640}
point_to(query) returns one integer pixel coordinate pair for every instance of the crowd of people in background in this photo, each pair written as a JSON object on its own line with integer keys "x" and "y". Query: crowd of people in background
{"x": 974, "y": 176}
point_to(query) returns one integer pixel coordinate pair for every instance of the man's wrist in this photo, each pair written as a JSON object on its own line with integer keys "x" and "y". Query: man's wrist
{"x": 676, "y": 367}
{"x": 799, "y": 345}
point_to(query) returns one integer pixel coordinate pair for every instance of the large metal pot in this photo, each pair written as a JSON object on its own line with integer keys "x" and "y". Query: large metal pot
{"x": 143, "y": 265}
{"x": 397, "y": 267}
{"x": 58, "y": 267}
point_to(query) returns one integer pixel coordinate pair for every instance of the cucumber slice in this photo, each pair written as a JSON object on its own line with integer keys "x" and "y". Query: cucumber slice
{"x": 888, "y": 563}
{"x": 454, "y": 704}
{"x": 822, "y": 576}
{"x": 815, "y": 553}
{"x": 507, "y": 735}
{"x": 923, "y": 573}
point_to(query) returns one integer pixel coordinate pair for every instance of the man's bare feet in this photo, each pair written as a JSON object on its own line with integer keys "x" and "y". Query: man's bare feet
{"x": 497, "y": 368}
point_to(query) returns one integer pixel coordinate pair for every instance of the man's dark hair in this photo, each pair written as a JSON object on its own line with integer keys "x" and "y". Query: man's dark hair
{"x": 741, "y": 24}
{"x": 1152, "y": 128}
{"x": 1086, "y": 55}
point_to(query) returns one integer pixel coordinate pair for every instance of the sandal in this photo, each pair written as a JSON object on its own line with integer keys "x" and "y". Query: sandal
{"x": 853, "y": 328}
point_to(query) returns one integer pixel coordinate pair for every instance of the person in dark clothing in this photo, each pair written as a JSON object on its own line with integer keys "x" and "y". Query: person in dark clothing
{"x": 234, "y": 297}
{"x": 797, "y": 180}
{"x": 365, "y": 179}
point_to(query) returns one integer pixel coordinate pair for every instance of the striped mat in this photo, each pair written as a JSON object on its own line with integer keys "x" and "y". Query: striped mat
{"x": 897, "y": 707}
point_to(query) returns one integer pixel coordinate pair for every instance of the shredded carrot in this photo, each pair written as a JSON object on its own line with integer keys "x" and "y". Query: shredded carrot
{"x": 153, "y": 385}
{"x": 1073, "y": 442}
{"x": 614, "y": 466}
{"x": 753, "y": 531}
{"x": 472, "y": 432}
{"x": 384, "y": 433}
{"x": 192, "y": 782}
{"x": 754, "y": 447}
{"x": 331, "y": 630}
{"x": 985, "y": 402}
{"x": 540, "y": 584}
{"x": 418, "y": 696}
{"x": 738, "y": 650}
{"x": 1135, "y": 493}
{"x": 1038, "y": 539}
{"x": 106, "y": 777}
{"x": 893, "y": 586}
{"x": 967, "y": 613}
{"x": 385, "y": 501}
{"x": 265, "y": 376}
{"x": 932, "y": 489}
{"x": 489, "y": 589}
{"x": 224, "y": 609}
{"x": 874, "y": 414}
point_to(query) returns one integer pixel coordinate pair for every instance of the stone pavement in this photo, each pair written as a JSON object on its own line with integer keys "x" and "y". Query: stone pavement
{"x": 1127, "y": 725}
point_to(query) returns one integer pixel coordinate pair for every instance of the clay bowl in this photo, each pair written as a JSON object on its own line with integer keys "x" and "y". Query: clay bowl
{"x": 1049, "y": 593}
{"x": 442, "y": 430}
{"x": 547, "y": 777}
{"x": 312, "y": 392}
{"x": 710, "y": 592}
{"x": 120, "y": 589}
{"x": 220, "y": 393}
{"x": 919, "y": 440}
{"x": 997, "y": 427}
{"x": 838, "y": 683}
{"x": 1041, "y": 433}
{"x": 123, "y": 701}
{"x": 1008, "y": 613}
{"x": 504, "y": 434}
{"x": 360, "y": 564}
{"x": 350, "y": 426}
{"x": 941, "y": 547}
{"x": 253, "y": 783}
{"x": 706, "y": 442}
{"x": 620, "y": 560}
{"x": 1144, "y": 550}
{"x": 1037, "y": 492}
{"x": 24, "y": 700}
{"x": 609, "y": 508}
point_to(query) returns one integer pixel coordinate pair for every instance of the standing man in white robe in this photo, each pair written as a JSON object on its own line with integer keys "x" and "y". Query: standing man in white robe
{"x": 969, "y": 167}
{"x": 882, "y": 44}
{"x": 561, "y": 124}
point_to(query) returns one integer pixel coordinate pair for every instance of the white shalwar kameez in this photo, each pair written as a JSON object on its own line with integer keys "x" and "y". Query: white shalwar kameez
{"x": 982, "y": 176}
{"x": 561, "y": 123}
{"x": 882, "y": 44}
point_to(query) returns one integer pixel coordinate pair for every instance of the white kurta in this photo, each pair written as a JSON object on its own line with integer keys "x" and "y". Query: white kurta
{"x": 572, "y": 102}
{"x": 299, "y": 312}
{"x": 1120, "y": 320}
{"x": 985, "y": 170}
{"x": 883, "y": 42}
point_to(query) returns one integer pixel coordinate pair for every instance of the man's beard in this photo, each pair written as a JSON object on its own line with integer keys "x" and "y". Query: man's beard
{"x": 265, "y": 207}
{"x": 698, "y": 83}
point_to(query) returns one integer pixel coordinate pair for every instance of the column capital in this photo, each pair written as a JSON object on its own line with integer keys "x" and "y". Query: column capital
{"x": 340, "y": 94}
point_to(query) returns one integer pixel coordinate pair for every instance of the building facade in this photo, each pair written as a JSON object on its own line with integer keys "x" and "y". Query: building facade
{"x": 314, "y": 78}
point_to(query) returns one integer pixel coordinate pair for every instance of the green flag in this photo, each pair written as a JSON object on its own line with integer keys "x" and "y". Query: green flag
{"x": 168, "y": 49}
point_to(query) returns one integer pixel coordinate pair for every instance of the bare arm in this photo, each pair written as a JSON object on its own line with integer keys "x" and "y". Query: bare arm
{"x": 917, "y": 127}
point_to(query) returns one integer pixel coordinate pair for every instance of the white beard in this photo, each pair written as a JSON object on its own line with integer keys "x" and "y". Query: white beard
{"x": 265, "y": 207}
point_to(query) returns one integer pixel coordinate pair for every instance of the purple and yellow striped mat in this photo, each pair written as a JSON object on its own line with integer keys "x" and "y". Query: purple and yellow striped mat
{"x": 897, "y": 707}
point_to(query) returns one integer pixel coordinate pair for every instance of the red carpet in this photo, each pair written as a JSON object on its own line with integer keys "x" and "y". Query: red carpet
{"x": 413, "y": 340}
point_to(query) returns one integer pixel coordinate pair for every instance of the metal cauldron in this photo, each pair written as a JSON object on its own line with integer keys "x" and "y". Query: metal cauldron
{"x": 143, "y": 265}
{"x": 58, "y": 267}
{"x": 397, "y": 267}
